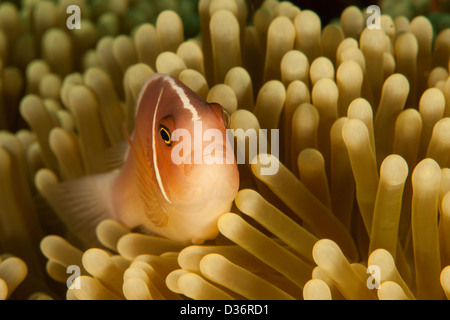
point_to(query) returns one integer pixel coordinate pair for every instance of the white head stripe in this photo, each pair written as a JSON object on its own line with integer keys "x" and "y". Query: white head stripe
{"x": 155, "y": 160}
{"x": 184, "y": 98}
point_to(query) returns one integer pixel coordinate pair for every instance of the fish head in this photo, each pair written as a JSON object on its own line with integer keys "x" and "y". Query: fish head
{"x": 188, "y": 149}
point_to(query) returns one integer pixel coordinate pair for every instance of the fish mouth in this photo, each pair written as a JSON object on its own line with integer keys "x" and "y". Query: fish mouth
{"x": 213, "y": 155}
{"x": 205, "y": 179}
{"x": 218, "y": 153}
{"x": 209, "y": 154}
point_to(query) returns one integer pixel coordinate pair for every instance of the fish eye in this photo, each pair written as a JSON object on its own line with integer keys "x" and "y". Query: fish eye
{"x": 165, "y": 135}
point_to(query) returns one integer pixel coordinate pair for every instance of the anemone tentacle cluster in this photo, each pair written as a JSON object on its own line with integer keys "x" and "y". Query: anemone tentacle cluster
{"x": 358, "y": 209}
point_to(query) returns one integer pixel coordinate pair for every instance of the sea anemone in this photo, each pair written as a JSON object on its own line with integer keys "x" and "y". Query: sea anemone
{"x": 359, "y": 206}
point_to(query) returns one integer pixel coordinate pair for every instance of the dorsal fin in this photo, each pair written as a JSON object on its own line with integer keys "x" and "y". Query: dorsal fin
{"x": 114, "y": 157}
{"x": 146, "y": 187}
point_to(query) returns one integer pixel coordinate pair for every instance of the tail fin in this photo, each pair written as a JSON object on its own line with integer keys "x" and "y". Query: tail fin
{"x": 83, "y": 203}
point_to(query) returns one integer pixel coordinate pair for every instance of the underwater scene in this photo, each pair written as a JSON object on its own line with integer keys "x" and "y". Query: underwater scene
{"x": 224, "y": 150}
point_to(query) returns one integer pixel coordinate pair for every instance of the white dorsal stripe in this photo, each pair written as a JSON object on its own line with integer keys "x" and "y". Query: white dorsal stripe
{"x": 184, "y": 98}
{"x": 195, "y": 117}
{"x": 155, "y": 159}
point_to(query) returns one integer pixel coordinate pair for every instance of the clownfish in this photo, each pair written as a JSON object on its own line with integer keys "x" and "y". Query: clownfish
{"x": 179, "y": 200}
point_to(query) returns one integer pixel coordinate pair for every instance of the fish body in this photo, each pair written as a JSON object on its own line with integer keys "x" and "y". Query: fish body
{"x": 162, "y": 186}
